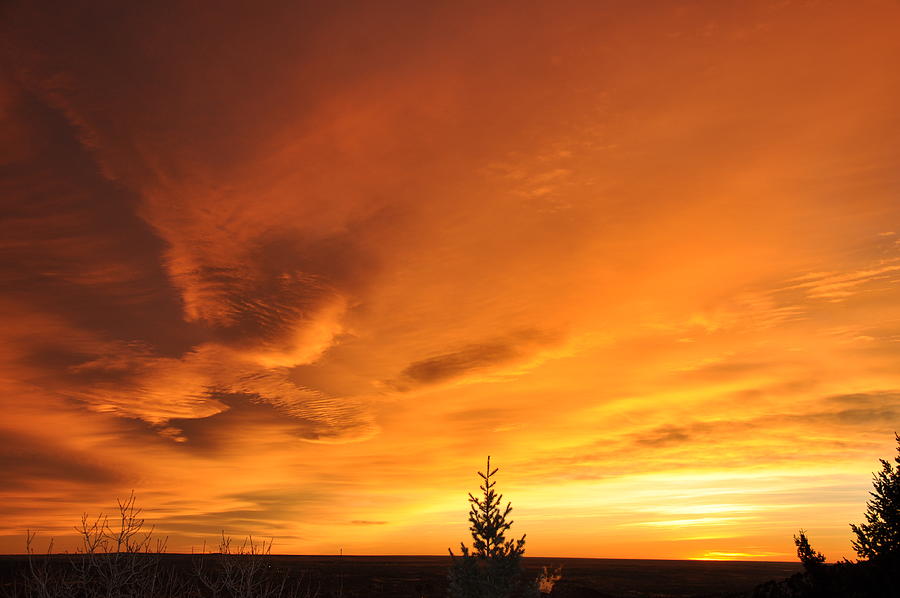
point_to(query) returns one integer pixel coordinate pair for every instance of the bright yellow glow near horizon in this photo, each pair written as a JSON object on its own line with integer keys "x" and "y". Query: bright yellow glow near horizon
{"x": 296, "y": 272}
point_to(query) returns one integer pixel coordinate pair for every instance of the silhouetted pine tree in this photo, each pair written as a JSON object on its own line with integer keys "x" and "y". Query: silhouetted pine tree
{"x": 879, "y": 537}
{"x": 877, "y": 543}
{"x": 493, "y": 568}
{"x": 810, "y": 558}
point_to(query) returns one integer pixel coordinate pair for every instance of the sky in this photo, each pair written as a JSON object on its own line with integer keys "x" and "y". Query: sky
{"x": 294, "y": 269}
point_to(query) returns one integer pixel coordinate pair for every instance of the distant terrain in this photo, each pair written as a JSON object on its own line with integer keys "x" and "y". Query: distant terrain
{"x": 425, "y": 576}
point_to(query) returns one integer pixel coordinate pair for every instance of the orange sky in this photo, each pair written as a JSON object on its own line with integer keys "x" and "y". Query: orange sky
{"x": 296, "y": 269}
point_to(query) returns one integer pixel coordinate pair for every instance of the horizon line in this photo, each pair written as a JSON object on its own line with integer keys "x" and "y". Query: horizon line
{"x": 339, "y": 556}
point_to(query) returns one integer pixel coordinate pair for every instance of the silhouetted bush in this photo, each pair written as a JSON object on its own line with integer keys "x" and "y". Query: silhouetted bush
{"x": 839, "y": 580}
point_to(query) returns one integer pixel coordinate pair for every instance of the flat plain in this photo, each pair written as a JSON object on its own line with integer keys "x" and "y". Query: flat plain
{"x": 425, "y": 576}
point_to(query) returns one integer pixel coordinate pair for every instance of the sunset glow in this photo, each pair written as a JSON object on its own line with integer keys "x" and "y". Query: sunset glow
{"x": 295, "y": 269}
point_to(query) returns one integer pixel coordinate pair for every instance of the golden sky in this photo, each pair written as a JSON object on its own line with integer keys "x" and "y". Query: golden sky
{"x": 295, "y": 268}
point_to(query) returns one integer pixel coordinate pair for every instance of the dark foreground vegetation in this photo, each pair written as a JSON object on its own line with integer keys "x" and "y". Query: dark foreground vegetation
{"x": 876, "y": 542}
{"x": 426, "y": 576}
{"x": 120, "y": 559}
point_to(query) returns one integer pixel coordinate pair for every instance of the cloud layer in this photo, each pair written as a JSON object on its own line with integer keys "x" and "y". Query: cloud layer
{"x": 296, "y": 269}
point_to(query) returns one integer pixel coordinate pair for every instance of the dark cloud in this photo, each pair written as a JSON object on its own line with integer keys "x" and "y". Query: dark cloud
{"x": 83, "y": 265}
{"x": 778, "y": 389}
{"x": 74, "y": 246}
{"x": 270, "y": 510}
{"x": 474, "y": 358}
{"x": 867, "y": 400}
{"x": 221, "y": 432}
{"x": 672, "y": 435}
{"x": 238, "y": 521}
{"x": 735, "y": 442}
{"x": 336, "y": 376}
{"x": 28, "y": 461}
{"x": 458, "y": 363}
{"x": 285, "y": 501}
{"x": 117, "y": 214}
{"x": 726, "y": 370}
{"x": 45, "y": 354}
{"x": 364, "y": 522}
{"x": 871, "y": 410}
{"x": 665, "y": 435}
{"x": 283, "y": 281}
{"x": 886, "y": 417}
{"x": 136, "y": 57}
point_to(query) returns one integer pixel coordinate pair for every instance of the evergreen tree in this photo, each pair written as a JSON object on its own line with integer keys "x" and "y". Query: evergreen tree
{"x": 810, "y": 558}
{"x": 879, "y": 537}
{"x": 493, "y": 567}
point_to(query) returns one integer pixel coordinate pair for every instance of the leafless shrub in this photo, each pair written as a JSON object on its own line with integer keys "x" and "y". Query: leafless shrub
{"x": 547, "y": 578}
{"x": 115, "y": 560}
{"x": 244, "y": 571}
{"x": 42, "y": 579}
{"x": 120, "y": 557}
